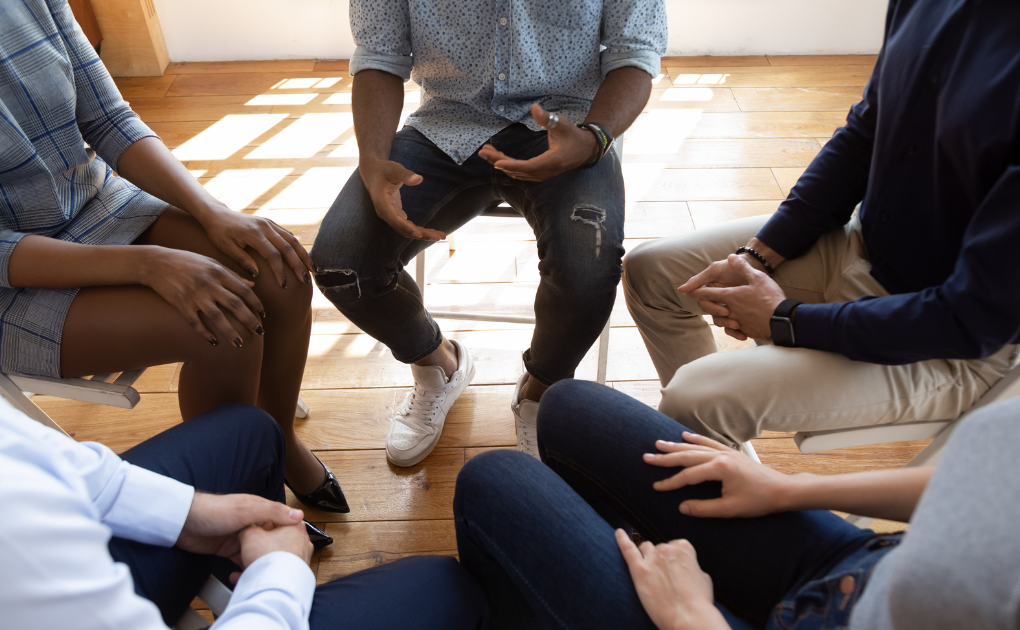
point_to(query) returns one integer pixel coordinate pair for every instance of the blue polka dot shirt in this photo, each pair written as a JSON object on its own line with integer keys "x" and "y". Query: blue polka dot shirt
{"x": 482, "y": 64}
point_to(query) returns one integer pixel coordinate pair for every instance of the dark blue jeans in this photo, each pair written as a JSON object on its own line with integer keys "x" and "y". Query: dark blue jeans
{"x": 546, "y": 557}
{"x": 240, "y": 449}
{"x": 577, "y": 218}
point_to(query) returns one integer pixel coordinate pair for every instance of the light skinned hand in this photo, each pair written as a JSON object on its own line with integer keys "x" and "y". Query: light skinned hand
{"x": 719, "y": 274}
{"x": 675, "y": 592}
{"x": 746, "y": 307}
{"x": 193, "y": 284}
{"x": 214, "y": 521}
{"x": 569, "y": 148}
{"x": 748, "y": 488}
{"x": 257, "y": 541}
{"x": 384, "y": 179}
{"x": 234, "y": 232}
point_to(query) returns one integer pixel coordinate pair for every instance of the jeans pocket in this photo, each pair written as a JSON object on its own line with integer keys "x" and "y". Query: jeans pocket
{"x": 823, "y": 604}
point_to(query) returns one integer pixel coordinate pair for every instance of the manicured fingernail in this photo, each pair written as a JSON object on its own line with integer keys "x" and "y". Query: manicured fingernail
{"x": 252, "y": 272}
{"x": 260, "y": 330}
{"x": 307, "y": 277}
{"x": 649, "y": 456}
{"x": 212, "y": 341}
{"x": 296, "y": 514}
{"x": 237, "y": 342}
{"x": 684, "y": 509}
{"x": 262, "y": 313}
{"x": 284, "y": 283}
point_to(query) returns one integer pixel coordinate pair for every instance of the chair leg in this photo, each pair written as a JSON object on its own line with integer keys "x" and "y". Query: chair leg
{"x": 302, "y": 409}
{"x": 23, "y": 403}
{"x": 603, "y": 354}
{"x": 419, "y": 272}
{"x": 748, "y": 449}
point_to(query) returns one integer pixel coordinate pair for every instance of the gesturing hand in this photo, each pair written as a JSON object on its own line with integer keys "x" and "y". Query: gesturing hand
{"x": 384, "y": 179}
{"x": 195, "y": 284}
{"x": 748, "y": 488}
{"x": 569, "y": 147}
{"x": 673, "y": 589}
{"x": 741, "y": 300}
{"x": 232, "y": 232}
{"x": 214, "y": 522}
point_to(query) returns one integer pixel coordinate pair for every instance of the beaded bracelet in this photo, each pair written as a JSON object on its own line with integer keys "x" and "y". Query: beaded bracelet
{"x": 759, "y": 258}
{"x": 603, "y": 139}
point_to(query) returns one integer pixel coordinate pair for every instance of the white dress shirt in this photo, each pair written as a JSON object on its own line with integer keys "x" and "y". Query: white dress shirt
{"x": 61, "y": 501}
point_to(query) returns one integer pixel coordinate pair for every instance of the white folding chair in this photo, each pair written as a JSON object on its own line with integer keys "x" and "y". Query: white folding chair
{"x": 937, "y": 431}
{"x": 105, "y": 389}
{"x": 502, "y": 210}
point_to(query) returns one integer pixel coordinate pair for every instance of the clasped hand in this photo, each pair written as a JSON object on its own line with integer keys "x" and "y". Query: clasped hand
{"x": 243, "y": 527}
{"x": 739, "y": 298}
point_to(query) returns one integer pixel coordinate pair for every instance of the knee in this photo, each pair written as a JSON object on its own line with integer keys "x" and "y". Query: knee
{"x": 250, "y": 427}
{"x": 486, "y": 484}
{"x": 563, "y": 409}
{"x": 642, "y": 268}
{"x": 704, "y": 398}
{"x": 290, "y": 303}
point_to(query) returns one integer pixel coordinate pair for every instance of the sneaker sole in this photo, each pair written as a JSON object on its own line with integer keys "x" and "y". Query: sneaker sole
{"x": 407, "y": 462}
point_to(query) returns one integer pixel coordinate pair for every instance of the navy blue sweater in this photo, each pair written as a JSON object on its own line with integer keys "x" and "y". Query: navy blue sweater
{"x": 933, "y": 151}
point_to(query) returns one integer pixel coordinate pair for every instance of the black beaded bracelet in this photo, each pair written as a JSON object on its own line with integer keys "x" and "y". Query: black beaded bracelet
{"x": 768, "y": 268}
{"x": 603, "y": 138}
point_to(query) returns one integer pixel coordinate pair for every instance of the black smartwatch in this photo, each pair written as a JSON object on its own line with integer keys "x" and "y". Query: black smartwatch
{"x": 781, "y": 324}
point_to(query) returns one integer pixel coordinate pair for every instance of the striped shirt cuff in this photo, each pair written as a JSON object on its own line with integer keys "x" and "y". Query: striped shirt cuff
{"x": 121, "y": 134}
{"x": 8, "y": 241}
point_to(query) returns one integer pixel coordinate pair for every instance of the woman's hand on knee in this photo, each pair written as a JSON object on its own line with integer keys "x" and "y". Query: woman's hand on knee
{"x": 674, "y": 591}
{"x": 748, "y": 488}
{"x": 233, "y": 232}
{"x": 198, "y": 287}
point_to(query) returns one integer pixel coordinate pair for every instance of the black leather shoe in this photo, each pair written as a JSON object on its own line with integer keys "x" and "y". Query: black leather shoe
{"x": 318, "y": 537}
{"x": 329, "y": 496}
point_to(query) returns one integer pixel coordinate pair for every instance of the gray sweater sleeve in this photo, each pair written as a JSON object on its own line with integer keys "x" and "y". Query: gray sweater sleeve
{"x": 958, "y": 566}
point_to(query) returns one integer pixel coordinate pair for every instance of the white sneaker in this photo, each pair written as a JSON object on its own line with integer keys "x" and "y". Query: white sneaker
{"x": 526, "y": 420}
{"x": 418, "y": 423}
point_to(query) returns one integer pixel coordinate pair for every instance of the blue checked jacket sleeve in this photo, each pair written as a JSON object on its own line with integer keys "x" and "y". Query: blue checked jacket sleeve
{"x": 104, "y": 118}
{"x": 382, "y": 32}
{"x": 634, "y": 33}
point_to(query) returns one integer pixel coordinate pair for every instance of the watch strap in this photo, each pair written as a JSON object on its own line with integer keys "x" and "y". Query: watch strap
{"x": 785, "y": 308}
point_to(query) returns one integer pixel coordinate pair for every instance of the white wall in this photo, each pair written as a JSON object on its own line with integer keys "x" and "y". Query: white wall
{"x": 222, "y": 30}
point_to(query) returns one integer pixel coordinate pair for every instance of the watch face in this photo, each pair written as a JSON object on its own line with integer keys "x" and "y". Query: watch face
{"x": 782, "y": 331}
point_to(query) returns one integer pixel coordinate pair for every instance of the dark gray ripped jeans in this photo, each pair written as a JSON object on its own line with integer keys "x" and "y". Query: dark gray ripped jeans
{"x": 578, "y": 222}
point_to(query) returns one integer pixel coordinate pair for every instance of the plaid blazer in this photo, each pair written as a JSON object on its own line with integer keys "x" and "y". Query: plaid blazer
{"x": 56, "y": 95}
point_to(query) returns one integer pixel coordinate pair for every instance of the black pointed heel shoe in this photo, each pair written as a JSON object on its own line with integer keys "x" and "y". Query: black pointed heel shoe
{"x": 329, "y": 496}
{"x": 318, "y": 537}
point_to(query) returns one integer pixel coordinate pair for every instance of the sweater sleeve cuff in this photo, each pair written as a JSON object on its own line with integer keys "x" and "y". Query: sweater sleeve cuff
{"x": 812, "y": 326}
{"x": 150, "y": 508}
{"x": 647, "y": 60}
{"x": 9, "y": 239}
{"x": 365, "y": 59}
{"x": 786, "y": 235}
{"x": 127, "y": 130}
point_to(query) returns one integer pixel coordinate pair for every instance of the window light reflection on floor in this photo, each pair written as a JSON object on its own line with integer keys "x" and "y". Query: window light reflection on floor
{"x": 239, "y": 188}
{"x": 700, "y": 79}
{"x": 226, "y": 136}
{"x": 282, "y": 99}
{"x": 305, "y": 137}
{"x": 687, "y": 94}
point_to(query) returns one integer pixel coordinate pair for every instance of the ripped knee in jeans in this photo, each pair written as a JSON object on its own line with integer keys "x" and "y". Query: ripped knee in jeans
{"x": 339, "y": 282}
{"x": 593, "y": 216}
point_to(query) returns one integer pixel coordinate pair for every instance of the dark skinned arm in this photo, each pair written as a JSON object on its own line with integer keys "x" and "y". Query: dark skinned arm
{"x": 377, "y": 101}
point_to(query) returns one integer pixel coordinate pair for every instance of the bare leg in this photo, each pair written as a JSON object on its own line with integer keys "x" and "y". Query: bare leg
{"x": 110, "y": 329}
{"x": 445, "y": 356}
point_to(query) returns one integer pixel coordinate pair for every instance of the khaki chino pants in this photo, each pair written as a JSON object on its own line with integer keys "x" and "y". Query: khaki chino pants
{"x": 734, "y": 396}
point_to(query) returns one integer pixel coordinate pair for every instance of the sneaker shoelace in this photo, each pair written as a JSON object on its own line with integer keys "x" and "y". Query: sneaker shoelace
{"x": 420, "y": 408}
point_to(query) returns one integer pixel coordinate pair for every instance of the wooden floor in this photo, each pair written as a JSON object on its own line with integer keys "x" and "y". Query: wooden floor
{"x": 721, "y": 138}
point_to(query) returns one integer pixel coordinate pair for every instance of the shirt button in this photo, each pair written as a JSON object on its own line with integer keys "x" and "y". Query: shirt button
{"x": 502, "y": 77}
{"x": 846, "y": 584}
{"x": 501, "y": 108}
{"x": 502, "y": 21}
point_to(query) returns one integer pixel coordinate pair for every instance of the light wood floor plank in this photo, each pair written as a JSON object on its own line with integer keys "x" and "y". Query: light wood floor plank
{"x": 823, "y": 60}
{"x": 796, "y": 99}
{"x": 706, "y": 99}
{"x": 706, "y": 213}
{"x": 767, "y": 125}
{"x": 728, "y": 61}
{"x": 787, "y": 177}
{"x": 731, "y": 153}
{"x": 789, "y": 77}
{"x": 332, "y": 64}
{"x": 202, "y": 67}
{"x": 362, "y": 546}
{"x": 135, "y": 87}
{"x": 713, "y": 184}
{"x": 194, "y": 108}
{"x": 254, "y": 83}
{"x": 377, "y": 491}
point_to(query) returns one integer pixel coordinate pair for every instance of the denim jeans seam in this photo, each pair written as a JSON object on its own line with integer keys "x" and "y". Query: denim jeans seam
{"x": 507, "y": 563}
